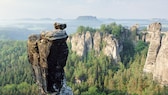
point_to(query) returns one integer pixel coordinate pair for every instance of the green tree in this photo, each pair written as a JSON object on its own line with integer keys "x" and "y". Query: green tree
{"x": 81, "y": 29}
{"x": 140, "y": 46}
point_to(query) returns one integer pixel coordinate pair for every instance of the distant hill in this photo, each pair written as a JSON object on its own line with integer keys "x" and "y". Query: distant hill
{"x": 90, "y": 21}
{"x": 85, "y": 18}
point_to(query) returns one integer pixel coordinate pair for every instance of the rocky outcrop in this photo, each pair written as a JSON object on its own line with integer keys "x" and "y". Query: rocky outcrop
{"x": 134, "y": 32}
{"x": 78, "y": 44}
{"x": 88, "y": 41}
{"x": 47, "y": 54}
{"x": 97, "y": 42}
{"x": 157, "y": 57}
{"x": 147, "y": 37}
{"x": 153, "y": 48}
{"x": 134, "y": 28}
{"x": 111, "y": 47}
{"x": 161, "y": 67}
{"x": 154, "y": 27}
{"x": 82, "y": 43}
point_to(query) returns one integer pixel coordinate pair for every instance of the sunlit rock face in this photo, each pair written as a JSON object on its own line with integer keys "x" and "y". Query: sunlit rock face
{"x": 153, "y": 47}
{"x": 111, "y": 47}
{"x": 78, "y": 44}
{"x": 152, "y": 28}
{"x": 82, "y": 43}
{"x": 161, "y": 67}
{"x": 157, "y": 57}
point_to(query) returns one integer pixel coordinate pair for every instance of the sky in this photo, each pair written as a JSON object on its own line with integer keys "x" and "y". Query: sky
{"x": 71, "y": 9}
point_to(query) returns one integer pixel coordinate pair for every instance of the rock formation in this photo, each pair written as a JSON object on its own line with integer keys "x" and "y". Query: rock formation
{"x": 147, "y": 37}
{"x": 153, "y": 47}
{"x": 88, "y": 41}
{"x": 47, "y": 54}
{"x": 97, "y": 42}
{"x": 111, "y": 47}
{"x": 134, "y": 28}
{"x": 157, "y": 57}
{"x": 82, "y": 43}
{"x": 134, "y": 32}
{"x": 78, "y": 44}
{"x": 161, "y": 67}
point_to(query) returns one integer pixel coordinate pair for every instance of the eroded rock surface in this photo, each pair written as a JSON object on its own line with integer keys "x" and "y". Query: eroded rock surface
{"x": 82, "y": 43}
{"x": 157, "y": 57}
{"x": 161, "y": 68}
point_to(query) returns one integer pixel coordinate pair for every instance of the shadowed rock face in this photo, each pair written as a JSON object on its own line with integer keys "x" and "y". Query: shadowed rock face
{"x": 97, "y": 42}
{"x": 84, "y": 42}
{"x": 157, "y": 57}
{"x": 88, "y": 41}
{"x": 47, "y": 53}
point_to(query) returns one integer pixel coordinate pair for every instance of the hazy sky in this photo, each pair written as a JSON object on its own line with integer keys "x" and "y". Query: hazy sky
{"x": 67, "y": 9}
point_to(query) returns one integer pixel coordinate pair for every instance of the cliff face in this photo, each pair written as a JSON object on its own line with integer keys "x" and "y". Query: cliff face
{"x": 160, "y": 72}
{"x": 111, "y": 47}
{"x": 84, "y": 42}
{"x": 97, "y": 42}
{"x": 78, "y": 44}
{"x": 152, "y": 28}
{"x": 153, "y": 47}
{"x": 157, "y": 57}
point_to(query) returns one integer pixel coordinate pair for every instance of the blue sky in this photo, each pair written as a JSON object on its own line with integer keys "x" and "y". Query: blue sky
{"x": 11, "y": 9}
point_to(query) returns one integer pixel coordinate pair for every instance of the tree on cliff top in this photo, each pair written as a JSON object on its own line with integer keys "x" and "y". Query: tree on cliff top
{"x": 112, "y": 28}
{"x": 83, "y": 29}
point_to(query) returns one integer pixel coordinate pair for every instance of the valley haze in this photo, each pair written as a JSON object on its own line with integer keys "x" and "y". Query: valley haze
{"x": 19, "y": 29}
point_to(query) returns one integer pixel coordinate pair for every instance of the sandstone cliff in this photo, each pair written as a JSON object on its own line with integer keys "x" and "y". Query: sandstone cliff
{"x": 134, "y": 31}
{"x": 157, "y": 57}
{"x": 78, "y": 44}
{"x": 160, "y": 72}
{"x": 82, "y": 43}
{"x": 152, "y": 28}
{"x": 153, "y": 47}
